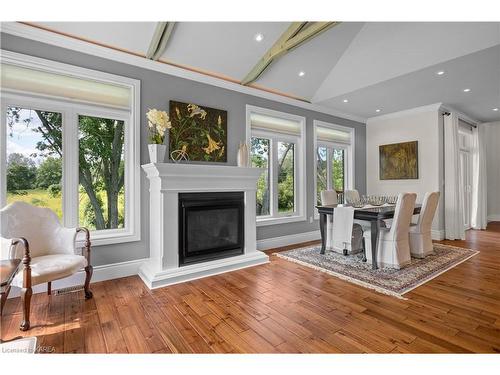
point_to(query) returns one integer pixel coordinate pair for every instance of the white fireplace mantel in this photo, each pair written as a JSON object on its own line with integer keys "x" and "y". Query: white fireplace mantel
{"x": 166, "y": 181}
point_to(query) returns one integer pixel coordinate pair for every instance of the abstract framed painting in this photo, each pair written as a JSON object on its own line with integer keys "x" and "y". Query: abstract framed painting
{"x": 198, "y": 133}
{"x": 399, "y": 161}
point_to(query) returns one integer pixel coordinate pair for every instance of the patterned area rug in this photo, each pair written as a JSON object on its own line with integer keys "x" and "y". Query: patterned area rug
{"x": 385, "y": 280}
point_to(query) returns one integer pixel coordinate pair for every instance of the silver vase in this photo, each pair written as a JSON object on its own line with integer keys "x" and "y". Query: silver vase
{"x": 157, "y": 153}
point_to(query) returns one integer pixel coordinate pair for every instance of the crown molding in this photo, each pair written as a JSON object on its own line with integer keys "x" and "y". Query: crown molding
{"x": 426, "y": 108}
{"x": 58, "y": 40}
{"x": 438, "y": 107}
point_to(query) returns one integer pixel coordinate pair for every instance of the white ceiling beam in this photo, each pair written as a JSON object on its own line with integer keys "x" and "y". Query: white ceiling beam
{"x": 160, "y": 39}
{"x": 297, "y": 33}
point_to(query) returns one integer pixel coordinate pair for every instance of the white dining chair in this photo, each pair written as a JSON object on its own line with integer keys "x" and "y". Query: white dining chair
{"x": 393, "y": 243}
{"x": 351, "y": 196}
{"x": 329, "y": 197}
{"x": 420, "y": 233}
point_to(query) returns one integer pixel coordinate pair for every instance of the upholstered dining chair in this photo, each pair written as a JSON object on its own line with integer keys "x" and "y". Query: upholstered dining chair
{"x": 329, "y": 197}
{"x": 420, "y": 233}
{"x": 393, "y": 242}
{"x": 351, "y": 196}
{"x": 47, "y": 249}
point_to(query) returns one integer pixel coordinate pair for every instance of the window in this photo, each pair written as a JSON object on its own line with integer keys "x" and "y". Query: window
{"x": 260, "y": 159}
{"x": 34, "y": 157}
{"x": 286, "y": 177}
{"x": 277, "y": 146}
{"x": 71, "y": 145}
{"x": 101, "y": 172}
{"x": 334, "y": 158}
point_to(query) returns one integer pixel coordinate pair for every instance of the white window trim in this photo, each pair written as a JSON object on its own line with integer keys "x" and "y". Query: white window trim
{"x": 348, "y": 156}
{"x": 299, "y": 164}
{"x": 70, "y": 110}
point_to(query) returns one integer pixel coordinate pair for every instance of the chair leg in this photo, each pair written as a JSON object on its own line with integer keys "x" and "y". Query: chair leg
{"x": 26, "y": 301}
{"x": 49, "y": 288}
{"x": 5, "y": 294}
{"x": 88, "y": 276}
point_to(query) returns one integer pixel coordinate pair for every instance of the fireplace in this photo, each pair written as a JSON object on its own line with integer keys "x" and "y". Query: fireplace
{"x": 228, "y": 243}
{"x": 211, "y": 226}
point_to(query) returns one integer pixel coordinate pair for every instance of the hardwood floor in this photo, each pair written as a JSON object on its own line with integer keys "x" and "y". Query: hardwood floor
{"x": 279, "y": 307}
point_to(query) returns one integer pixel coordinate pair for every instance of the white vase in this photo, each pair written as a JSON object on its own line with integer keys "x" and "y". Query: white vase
{"x": 243, "y": 156}
{"x": 157, "y": 153}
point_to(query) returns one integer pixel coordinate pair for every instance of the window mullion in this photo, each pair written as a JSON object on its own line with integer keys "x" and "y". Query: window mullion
{"x": 296, "y": 188}
{"x": 70, "y": 168}
{"x": 328, "y": 168}
{"x": 3, "y": 156}
{"x": 274, "y": 184}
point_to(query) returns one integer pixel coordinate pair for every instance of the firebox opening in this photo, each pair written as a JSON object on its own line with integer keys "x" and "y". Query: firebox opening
{"x": 211, "y": 226}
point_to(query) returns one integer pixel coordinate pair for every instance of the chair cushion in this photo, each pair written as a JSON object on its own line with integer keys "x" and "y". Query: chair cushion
{"x": 51, "y": 267}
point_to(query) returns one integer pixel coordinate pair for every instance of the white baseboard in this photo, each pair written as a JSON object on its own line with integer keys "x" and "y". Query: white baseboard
{"x": 101, "y": 273}
{"x": 271, "y": 243}
{"x": 494, "y": 217}
{"x": 437, "y": 235}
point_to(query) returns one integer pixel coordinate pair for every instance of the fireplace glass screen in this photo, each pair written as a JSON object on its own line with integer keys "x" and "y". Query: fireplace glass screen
{"x": 211, "y": 226}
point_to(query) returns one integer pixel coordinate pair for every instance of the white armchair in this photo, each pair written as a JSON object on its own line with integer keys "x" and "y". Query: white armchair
{"x": 47, "y": 250}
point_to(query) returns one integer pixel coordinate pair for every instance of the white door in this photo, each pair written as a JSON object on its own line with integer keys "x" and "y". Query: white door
{"x": 466, "y": 182}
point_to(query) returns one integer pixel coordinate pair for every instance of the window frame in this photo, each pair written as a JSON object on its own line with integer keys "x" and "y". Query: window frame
{"x": 349, "y": 157}
{"x": 70, "y": 109}
{"x": 299, "y": 213}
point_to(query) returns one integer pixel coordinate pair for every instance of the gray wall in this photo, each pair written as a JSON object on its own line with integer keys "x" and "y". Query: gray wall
{"x": 156, "y": 91}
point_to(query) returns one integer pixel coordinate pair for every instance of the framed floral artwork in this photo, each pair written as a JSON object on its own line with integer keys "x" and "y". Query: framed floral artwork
{"x": 198, "y": 133}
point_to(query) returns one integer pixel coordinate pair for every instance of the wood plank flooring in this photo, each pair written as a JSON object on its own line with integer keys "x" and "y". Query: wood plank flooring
{"x": 280, "y": 307}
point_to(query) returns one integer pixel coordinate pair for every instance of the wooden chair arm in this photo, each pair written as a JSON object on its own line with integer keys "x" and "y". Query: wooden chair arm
{"x": 24, "y": 242}
{"x": 87, "y": 242}
{"x": 26, "y": 260}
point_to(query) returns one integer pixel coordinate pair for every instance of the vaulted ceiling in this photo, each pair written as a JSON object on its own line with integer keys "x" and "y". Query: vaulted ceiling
{"x": 364, "y": 69}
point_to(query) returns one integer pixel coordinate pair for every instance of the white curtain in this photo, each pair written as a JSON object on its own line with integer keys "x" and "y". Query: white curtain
{"x": 453, "y": 189}
{"x": 479, "y": 185}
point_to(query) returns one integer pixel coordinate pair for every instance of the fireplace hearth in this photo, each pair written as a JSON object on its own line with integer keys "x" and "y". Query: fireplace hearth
{"x": 211, "y": 226}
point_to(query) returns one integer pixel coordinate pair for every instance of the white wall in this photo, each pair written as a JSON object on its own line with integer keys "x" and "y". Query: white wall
{"x": 421, "y": 124}
{"x": 493, "y": 169}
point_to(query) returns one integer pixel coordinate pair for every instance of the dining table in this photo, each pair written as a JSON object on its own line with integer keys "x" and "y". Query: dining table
{"x": 373, "y": 214}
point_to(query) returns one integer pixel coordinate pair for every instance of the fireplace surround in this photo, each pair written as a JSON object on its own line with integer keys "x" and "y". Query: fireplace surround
{"x": 169, "y": 184}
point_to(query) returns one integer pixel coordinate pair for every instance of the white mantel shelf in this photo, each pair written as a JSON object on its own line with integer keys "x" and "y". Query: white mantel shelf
{"x": 166, "y": 181}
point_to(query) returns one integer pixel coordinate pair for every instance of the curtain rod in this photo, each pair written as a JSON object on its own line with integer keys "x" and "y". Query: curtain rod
{"x": 472, "y": 125}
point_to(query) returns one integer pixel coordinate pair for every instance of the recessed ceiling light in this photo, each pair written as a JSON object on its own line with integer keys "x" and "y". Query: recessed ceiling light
{"x": 495, "y": 109}
{"x": 259, "y": 37}
{"x": 301, "y": 74}
{"x": 345, "y": 101}
{"x": 440, "y": 73}
{"x": 377, "y": 110}
{"x": 466, "y": 90}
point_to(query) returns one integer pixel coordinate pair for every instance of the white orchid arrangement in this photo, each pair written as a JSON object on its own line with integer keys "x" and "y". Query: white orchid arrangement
{"x": 158, "y": 123}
